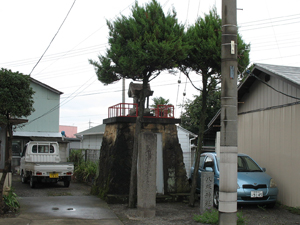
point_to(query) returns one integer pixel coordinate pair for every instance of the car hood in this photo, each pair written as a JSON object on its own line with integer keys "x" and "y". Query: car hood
{"x": 253, "y": 178}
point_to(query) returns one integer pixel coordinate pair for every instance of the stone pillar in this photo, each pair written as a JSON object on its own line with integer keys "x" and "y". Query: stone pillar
{"x": 207, "y": 191}
{"x": 146, "y": 180}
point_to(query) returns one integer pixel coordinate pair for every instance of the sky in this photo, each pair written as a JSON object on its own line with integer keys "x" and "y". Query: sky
{"x": 272, "y": 27}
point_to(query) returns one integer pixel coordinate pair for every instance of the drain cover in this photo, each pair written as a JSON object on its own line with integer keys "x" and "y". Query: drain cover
{"x": 71, "y": 209}
{"x": 55, "y": 208}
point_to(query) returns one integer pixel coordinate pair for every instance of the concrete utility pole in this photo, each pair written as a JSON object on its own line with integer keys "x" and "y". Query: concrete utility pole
{"x": 228, "y": 142}
{"x": 123, "y": 96}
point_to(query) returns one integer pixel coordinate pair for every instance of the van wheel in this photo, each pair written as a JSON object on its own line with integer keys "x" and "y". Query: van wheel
{"x": 66, "y": 183}
{"x": 32, "y": 183}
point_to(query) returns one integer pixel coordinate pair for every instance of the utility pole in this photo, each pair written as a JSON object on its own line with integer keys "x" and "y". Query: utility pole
{"x": 123, "y": 96}
{"x": 228, "y": 142}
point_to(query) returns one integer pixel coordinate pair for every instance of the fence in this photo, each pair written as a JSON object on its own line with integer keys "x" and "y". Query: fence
{"x": 131, "y": 109}
{"x": 89, "y": 154}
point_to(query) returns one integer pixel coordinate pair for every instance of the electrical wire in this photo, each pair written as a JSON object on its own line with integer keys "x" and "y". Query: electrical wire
{"x": 52, "y": 38}
{"x": 280, "y": 92}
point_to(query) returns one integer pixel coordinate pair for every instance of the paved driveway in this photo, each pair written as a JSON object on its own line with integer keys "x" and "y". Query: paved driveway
{"x": 54, "y": 204}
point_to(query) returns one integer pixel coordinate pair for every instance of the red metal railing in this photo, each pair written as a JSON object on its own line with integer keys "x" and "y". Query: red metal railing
{"x": 131, "y": 110}
{"x": 164, "y": 111}
{"x": 123, "y": 109}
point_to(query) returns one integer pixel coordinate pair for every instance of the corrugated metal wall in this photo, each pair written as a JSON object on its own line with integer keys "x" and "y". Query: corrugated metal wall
{"x": 260, "y": 96}
{"x": 271, "y": 137}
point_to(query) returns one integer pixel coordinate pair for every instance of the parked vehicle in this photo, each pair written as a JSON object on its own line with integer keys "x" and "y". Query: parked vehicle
{"x": 254, "y": 186}
{"x": 40, "y": 162}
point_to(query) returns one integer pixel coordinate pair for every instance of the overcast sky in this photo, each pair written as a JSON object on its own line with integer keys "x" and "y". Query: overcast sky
{"x": 27, "y": 27}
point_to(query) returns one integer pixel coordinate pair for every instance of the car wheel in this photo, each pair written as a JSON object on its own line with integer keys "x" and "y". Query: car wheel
{"x": 271, "y": 205}
{"x": 32, "y": 183}
{"x": 23, "y": 178}
{"x": 216, "y": 197}
{"x": 66, "y": 183}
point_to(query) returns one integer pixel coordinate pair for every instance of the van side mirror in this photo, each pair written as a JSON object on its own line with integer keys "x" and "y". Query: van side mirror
{"x": 264, "y": 169}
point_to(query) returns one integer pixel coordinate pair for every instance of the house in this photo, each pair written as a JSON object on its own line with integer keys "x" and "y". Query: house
{"x": 91, "y": 139}
{"x": 43, "y": 123}
{"x": 269, "y": 125}
{"x": 185, "y": 138}
{"x": 68, "y": 131}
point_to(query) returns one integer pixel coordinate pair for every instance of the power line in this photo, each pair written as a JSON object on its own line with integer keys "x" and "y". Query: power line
{"x": 280, "y": 92}
{"x": 264, "y": 20}
{"x": 53, "y": 38}
{"x": 257, "y": 28}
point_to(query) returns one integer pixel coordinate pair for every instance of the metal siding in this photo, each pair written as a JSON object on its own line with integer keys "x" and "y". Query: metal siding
{"x": 262, "y": 96}
{"x": 295, "y": 155}
{"x": 274, "y": 143}
{"x": 44, "y": 100}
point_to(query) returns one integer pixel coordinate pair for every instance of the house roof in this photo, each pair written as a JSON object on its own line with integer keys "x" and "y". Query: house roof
{"x": 287, "y": 73}
{"x": 45, "y": 86}
{"x": 191, "y": 134}
{"x": 92, "y": 131}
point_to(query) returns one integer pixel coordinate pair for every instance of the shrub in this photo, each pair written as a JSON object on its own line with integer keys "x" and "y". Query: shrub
{"x": 11, "y": 201}
{"x": 76, "y": 157}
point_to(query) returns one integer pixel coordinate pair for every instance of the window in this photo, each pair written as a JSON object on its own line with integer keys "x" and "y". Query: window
{"x": 16, "y": 147}
{"x": 42, "y": 149}
{"x": 201, "y": 161}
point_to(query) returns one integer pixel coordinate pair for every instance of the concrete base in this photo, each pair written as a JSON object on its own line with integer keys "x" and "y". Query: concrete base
{"x": 227, "y": 218}
{"x": 146, "y": 212}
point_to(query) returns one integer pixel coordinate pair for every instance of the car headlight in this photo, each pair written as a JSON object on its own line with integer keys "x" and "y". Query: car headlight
{"x": 272, "y": 183}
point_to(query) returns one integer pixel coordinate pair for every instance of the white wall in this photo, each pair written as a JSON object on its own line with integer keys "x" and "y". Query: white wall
{"x": 92, "y": 142}
{"x": 184, "y": 141}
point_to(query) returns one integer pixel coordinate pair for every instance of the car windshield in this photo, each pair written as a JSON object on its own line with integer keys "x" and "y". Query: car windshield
{"x": 246, "y": 164}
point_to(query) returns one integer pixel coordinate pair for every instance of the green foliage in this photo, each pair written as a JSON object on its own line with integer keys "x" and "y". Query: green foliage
{"x": 159, "y": 101}
{"x": 86, "y": 171}
{"x": 204, "y": 56}
{"x": 211, "y": 216}
{"x": 15, "y": 95}
{"x": 76, "y": 157}
{"x": 141, "y": 45}
{"x": 190, "y": 119}
{"x": 208, "y": 217}
{"x": 294, "y": 210}
{"x": 11, "y": 201}
{"x": 83, "y": 171}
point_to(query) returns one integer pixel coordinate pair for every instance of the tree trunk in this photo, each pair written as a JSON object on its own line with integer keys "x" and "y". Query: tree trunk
{"x": 7, "y": 165}
{"x": 200, "y": 141}
{"x": 138, "y": 128}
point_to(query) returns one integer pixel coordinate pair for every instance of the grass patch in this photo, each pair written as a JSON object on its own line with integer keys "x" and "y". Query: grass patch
{"x": 294, "y": 210}
{"x": 211, "y": 216}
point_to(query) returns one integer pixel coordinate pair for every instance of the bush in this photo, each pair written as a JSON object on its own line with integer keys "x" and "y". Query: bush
{"x": 83, "y": 171}
{"x": 76, "y": 157}
{"x": 11, "y": 201}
